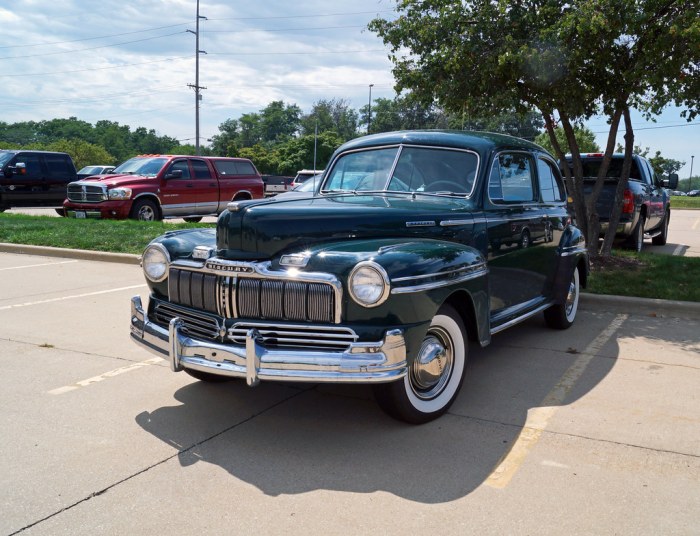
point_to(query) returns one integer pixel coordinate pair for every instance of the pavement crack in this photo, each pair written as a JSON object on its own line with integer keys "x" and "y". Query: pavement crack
{"x": 158, "y": 463}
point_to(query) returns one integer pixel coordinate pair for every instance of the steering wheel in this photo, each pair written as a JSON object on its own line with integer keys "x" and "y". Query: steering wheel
{"x": 448, "y": 186}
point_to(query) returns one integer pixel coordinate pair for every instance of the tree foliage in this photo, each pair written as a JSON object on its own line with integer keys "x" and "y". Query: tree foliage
{"x": 568, "y": 59}
{"x": 585, "y": 138}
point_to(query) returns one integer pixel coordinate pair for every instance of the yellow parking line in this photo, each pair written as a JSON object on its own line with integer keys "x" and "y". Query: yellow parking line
{"x": 538, "y": 418}
{"x": 103, "y": 377}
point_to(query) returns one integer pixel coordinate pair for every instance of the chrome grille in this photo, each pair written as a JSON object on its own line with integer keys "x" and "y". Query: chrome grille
{"x": 295, "y": 336}
{"x": 194, "y": 324}
{"x": 252, "y": 297}
{"x": 87, "y": 193}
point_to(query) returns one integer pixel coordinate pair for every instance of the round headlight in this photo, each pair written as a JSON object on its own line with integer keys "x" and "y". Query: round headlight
{"x": 369, "y": 284}
{"x": 155, "y": 262}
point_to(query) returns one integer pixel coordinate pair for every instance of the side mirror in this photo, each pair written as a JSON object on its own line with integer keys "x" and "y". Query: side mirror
{"x": 174, "y": 174}
{"x": 673, "y": 181}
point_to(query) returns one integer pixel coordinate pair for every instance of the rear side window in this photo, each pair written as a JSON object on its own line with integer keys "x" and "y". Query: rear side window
{"x": 591, "y": 167}
{"x": 201, "y": 170}
{"x": 58, "y": 166}
{"x": 245, "y": 168}
{"x": 225, "y": 167}
{"x": 511, "y": 179}
{"x": 551, "y": 185}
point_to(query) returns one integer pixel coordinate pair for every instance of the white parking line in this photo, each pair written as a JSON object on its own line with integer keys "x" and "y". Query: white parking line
{"x": 97, "y": 293}
{"x": 35, "y": 265}
{"x": 103, "y": 377}
{"x": 679, "y": 249}
{"x": 538, "y": 418}
{"x": 695, "y": 225}
{"x": 27, "y": 304}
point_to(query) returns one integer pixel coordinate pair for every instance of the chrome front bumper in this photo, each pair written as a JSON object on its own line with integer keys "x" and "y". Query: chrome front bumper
{"x": 371, "y": 362}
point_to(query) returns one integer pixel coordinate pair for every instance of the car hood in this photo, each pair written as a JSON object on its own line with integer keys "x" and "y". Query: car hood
{"x": 117, "y": 180}
{"x": 260, "y": 230}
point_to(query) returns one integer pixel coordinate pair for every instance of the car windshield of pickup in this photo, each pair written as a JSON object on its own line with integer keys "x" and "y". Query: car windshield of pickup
{"x": 146, "y": 166}
{"x": 5, "y": 157}
{"x": 429, "y": 170}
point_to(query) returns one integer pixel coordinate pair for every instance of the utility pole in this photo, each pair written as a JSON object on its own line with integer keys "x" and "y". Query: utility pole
{"x": 369, "y": 109}
{"x": 197, "y": 88}
{"x": 690, "y": 178}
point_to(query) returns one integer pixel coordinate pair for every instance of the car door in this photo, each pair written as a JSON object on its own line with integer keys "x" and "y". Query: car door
{"x": 26, "y": 185}
{"x": 515, "y": 220}
{"x": 59, "y": 172}
{"x": 177, "y": 191}
{"x": 656, "y": 196}
{"x": 206, "y": 186}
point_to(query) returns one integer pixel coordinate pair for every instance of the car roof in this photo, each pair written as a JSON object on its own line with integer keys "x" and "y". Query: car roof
{"x": 453, "y": 138}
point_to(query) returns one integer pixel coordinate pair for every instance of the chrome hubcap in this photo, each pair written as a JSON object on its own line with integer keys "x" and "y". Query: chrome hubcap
{"x": 432, "y": 368}
{"x": 146, "y": 214}
{"x": 571, "y": 298}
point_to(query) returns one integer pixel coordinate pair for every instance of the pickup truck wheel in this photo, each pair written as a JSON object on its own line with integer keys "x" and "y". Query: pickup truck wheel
{"x": 562, "y": 316}
{"x": 61, "y": 212}
{"x": 660, "y": 239}
{"x": 207, "y": 377}
{"x": 193, "y": 219}
{"x": 435, "y": 376}
{"x": 145, "y": 210}
{"x": 525, "y": 239}
{"x": 636, "y": 241}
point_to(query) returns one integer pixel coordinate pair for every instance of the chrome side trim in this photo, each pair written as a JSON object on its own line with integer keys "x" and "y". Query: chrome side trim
{"x": 452, "y": 223}
{"x": 520, "y": 318}
{"x": 572, "y": 250}
{"x": 363, "y": 362}
{"x": 479, "y": 270}
{"x": 426, "y": 223}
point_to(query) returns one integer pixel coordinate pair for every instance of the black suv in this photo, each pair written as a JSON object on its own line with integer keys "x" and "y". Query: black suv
{"x": 34, "y": 179}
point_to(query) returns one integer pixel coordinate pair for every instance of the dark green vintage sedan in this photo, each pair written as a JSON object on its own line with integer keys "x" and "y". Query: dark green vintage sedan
{"x": 413, "y": 245}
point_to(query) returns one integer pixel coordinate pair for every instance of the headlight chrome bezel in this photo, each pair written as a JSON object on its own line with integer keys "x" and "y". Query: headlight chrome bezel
{"x": 378, "y": 271}
{"x": 160, "y": 250}
{"x": 119, "y": 194}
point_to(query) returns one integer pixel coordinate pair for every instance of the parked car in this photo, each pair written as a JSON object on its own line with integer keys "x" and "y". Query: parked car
{"x": 385, "y": 276}
{"x": 88, "y": 171}
{"x": 694, "y": 193}
{"x": 646, "y": 209}
{"x": 153, "y": 187}
{"x": 34, "y": 179}
{"x": 305, "y": 174}
{"x": 277, "y": 184}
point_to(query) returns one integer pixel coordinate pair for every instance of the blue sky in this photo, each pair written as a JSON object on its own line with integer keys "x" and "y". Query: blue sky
{"x": 131, "y": 61}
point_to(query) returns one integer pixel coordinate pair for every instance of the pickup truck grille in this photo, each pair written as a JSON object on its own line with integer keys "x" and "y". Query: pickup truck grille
{"x": 87, "y": 193}
{"x": 253, "y": 298}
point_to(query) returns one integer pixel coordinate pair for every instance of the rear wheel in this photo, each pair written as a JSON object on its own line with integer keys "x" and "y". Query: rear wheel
{"x": 636, "y": 241}
{"x": 562, "y": 316}
{"x": 435, "y": 376}
{"x": 525, "y": 239}
{"x": 193, "y": 219}
{"x": 145, "y": 210}
{"x": 660, "y": 239}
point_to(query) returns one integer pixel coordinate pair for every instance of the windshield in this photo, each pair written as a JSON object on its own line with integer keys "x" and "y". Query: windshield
{"x": 92, "y": 170}
{"x": 5, "y": 158}
{"x": 405, "y": 169}
{"x": 147, "y": 166}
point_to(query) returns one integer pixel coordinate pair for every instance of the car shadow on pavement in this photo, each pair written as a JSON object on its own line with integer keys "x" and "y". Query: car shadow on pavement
{"x": 297, "y": 439}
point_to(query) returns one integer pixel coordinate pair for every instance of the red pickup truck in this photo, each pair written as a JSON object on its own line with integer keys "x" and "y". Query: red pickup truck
{"x": 153, "y": 187}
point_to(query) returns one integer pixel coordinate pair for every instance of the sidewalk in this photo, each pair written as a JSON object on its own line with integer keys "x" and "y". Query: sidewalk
{"x": 622, "y": 304}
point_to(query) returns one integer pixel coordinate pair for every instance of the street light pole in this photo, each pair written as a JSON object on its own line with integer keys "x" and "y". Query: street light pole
{"x": 690, "y": 177}
{"x": 369, "y": 110}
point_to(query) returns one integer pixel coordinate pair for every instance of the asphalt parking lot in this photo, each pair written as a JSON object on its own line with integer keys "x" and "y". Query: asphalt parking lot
{"x": 589, "y": 431}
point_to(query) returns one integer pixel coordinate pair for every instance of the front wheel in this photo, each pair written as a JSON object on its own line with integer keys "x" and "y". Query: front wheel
{"x": 145, "y": 210}
{"x": 562, "y": 316}
{"x": 435, "y": 376}
{"x": 193, "y": 219}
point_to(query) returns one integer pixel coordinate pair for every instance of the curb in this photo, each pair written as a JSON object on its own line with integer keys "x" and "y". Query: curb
{"x": 652, "y": 307}
{"x": 82, "y": 254}
{"x": 620, "y": 304}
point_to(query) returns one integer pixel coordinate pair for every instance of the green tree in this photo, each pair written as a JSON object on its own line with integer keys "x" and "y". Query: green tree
{"x": 82, "y": 152}
{"x": 298, "y": 153}
{"x": 279, "y": 121}
{"x": 334, "y": 115}
{"x": 568, "y": 59}
{"x": 584, "y": 137}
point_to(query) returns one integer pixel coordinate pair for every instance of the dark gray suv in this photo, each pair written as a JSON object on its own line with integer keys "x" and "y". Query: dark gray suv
{"x": 34, "y": 179}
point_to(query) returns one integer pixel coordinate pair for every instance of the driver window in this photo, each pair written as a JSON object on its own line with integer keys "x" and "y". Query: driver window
{"x": 181, "y": 165}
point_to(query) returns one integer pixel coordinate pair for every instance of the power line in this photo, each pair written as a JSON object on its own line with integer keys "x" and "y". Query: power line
{"x": 308, "y": 16}
{"x": 120, "y": 66}
{"x": 266, "y": 30}
{"x": 652, "y": 128}
{"x": 294, "y": 53}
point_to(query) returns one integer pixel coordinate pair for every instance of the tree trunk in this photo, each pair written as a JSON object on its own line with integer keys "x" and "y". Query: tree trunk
{"x": 621, "y": 185}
